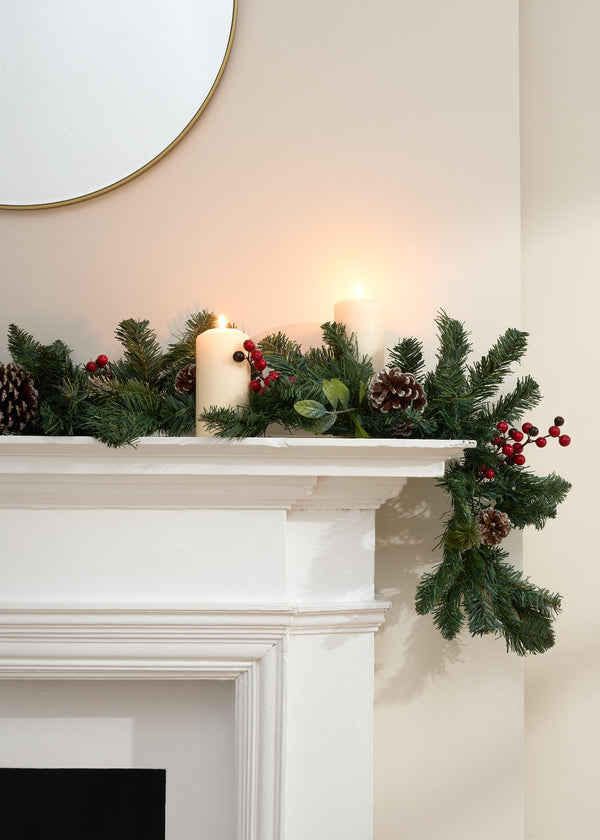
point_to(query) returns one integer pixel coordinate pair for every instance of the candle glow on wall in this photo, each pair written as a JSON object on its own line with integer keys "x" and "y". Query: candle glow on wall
{"x": 363, "y": 316}
{"x": 220, "y": 380}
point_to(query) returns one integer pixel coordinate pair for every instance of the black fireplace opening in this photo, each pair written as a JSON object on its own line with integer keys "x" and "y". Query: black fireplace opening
{"x": 82, "y": 804}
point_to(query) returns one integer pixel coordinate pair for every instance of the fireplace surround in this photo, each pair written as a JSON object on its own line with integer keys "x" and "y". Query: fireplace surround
{"x": 208, "y": 559}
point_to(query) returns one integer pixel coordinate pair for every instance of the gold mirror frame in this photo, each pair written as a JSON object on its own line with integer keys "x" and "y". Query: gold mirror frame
{"x": 143, "y": 168}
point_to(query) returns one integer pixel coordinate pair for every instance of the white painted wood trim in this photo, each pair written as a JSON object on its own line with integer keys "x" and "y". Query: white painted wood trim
{"x": 212, "y": 473}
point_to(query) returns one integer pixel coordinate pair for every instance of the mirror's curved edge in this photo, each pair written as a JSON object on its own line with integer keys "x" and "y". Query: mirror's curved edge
{"x": 165, "y": 151}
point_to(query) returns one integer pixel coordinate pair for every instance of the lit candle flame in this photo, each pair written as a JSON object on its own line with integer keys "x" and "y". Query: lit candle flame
{"x": 222, "y": 322}
{"x": 358, "y": 291}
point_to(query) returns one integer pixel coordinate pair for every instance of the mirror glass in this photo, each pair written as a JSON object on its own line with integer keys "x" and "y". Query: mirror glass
{"x": 92, "y": 93}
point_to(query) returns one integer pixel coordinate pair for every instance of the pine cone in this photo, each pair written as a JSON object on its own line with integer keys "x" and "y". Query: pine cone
{"x": 394, "y": 390}
{"x": 494, "y": 525}
{"x": 18, "y": 399}
{"x": 185, "y": 381}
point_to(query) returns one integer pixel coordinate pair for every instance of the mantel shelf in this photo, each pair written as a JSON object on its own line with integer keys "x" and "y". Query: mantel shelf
{"x": 190, "y": 472}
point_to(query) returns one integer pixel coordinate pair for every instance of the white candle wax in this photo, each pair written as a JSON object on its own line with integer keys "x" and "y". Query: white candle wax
{"x": 220, "y": 381}
{"x": 363, "y": 316}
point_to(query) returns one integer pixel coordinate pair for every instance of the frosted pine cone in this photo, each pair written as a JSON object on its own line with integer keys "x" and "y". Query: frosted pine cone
{"x": 394, "y": 390}
{"x": 185, "y": 381}
{"x": 18, "y": 399}
{"x": 494, "y": 525}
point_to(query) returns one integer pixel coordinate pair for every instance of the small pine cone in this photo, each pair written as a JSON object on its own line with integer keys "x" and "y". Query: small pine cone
{"x": 404, "y": 430}
{"x": 185, "y": 381}
{"x": 494, "y": 525}
{"x": 394, "y": 390}
{"x": 18, "y": 399}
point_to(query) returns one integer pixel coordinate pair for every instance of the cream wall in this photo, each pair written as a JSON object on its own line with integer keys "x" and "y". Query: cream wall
{"x": 347, "y": 139}
{"x": 560, "y": 68}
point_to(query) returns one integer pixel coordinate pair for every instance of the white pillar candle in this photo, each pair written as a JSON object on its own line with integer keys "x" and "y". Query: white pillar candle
{"x": 220, "y": 380}
{"x": 363, "y": 316}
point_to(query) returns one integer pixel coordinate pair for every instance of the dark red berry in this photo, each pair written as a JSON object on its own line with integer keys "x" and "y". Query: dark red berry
{"x": 533, "y": 431}
{"x": 516, "y": 435}
{"x": 255, "y": 385}
{"x": 564, "y": 440}
{"x": 503, "y": 426}
{"x": 527, "y": 426}
{"x": 519, "y": 460}
{"x": 497, "y": 440}
{"x": 249, "y": 345}
{"x": 489, "y": 473}
{"x": 260, "y": 364}
{"x": 554, "y": 431}
{"x": 507, "y": 449}
{"x": 91, "y": 367}
{"x": 239, "y": 356}
{"x": 541, "y": 442}
{"x": 559, "y": 421}
{"x": 102, "y": 360}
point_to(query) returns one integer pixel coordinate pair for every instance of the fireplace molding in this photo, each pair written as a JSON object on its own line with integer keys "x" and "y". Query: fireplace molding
{"x": 296, "y": 636}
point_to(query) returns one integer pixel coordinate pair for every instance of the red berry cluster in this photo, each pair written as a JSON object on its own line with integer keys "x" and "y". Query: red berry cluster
{"x": 511, "y": 442}
{"x": 101, "y": 362}
{"x": 257, "y": 363}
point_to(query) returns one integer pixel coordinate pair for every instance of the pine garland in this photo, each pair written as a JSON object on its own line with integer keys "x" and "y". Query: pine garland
{"x": 326, "y": 391}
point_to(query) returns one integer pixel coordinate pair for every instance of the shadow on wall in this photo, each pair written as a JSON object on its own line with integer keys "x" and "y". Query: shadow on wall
{"x": 409, "y": 650}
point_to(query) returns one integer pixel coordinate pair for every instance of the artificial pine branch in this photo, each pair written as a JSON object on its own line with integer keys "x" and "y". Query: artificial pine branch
{"x": 182, "y": 351}
{"x": 486, "y": 375}
{"x": 143, "y": 359}
{"x": 408, "y": 356}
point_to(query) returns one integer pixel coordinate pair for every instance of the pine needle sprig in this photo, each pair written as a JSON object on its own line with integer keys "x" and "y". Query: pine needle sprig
{"x": 407, "y": 354}
{"x": 512, "y": 406}
{"x": 143, "y": 359}
{"x": 448, "y": 379}
{"x": 487, "y": 375}
{"x": 182, "y": 351}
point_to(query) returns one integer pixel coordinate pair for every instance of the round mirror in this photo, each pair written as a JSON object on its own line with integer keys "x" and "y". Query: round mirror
{"x": 93, "y": 93}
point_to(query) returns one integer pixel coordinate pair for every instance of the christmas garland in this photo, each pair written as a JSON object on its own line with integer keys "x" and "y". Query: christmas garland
{"x": 331, "y": 390}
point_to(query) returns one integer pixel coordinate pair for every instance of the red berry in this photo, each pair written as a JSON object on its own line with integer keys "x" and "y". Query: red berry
{"x": 519, "y": 460}
{"x": 256, "y": 355}
{"x": 489, "y": 473}
{"x": 497, "y": 440}
{"x": 526, "y": 427}
{"x": 102, "y": 360}
{"x": 554, "y": 431}
{"x": 518, "y": 447}
{"x": 503, "y": 426}
{"x": 508, "y": 450}
{"x": 517, "y": 435}
{"x": 541, "y": 442}
{"x": 255, "y": 385}
{"x": 91, "y": 367}
{"x": 292, "y": 379}
{"x": 249, "y": 345}
{"x": 564, "y": 440}
{"x": 260, "y": 364}
{"x": 274, "y": 375}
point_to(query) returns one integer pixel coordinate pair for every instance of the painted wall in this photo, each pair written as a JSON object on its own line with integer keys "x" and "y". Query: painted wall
{"x": 560, "y": 67}
{"x": 347, "y": 141}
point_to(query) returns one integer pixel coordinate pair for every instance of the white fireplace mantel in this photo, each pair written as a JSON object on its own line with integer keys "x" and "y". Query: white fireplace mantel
{"x": 201, "y": 558}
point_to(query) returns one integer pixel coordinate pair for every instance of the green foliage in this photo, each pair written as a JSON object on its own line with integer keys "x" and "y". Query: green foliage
{"x": 324, "y": 390}
{"x": 182, "y": 351}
